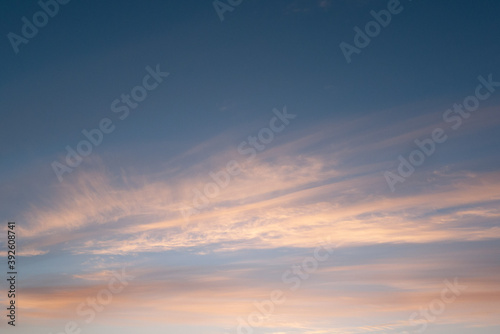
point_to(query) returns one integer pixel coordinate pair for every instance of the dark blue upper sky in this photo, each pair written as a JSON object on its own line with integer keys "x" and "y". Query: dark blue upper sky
{"x": 229, "y": 73}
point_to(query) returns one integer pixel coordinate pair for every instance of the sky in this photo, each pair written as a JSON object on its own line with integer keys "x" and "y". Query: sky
{"x": 239, "y": 166}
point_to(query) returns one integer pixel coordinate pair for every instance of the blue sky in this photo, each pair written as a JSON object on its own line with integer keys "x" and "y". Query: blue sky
{"x": 320, "y": 181}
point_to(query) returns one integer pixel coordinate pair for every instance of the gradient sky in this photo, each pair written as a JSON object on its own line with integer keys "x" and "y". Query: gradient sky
{"x": 320, "y": 181}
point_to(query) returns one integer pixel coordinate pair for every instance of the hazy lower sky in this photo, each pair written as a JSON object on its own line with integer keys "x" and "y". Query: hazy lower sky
{"x": 267, "y": 167}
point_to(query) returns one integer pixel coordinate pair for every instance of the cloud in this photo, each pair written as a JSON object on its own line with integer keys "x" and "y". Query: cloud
{"x": 314, "y": 183}
{"x": 342, "y": 291}
{"x": 310, "y": 185}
